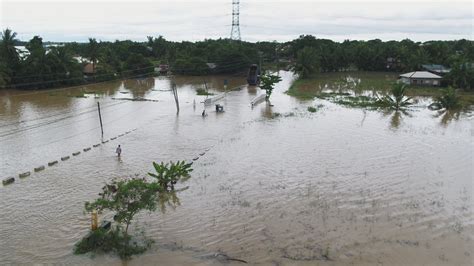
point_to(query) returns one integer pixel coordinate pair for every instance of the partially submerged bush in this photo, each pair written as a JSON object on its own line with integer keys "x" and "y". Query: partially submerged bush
{"x": 203, "y": 92}
{"x": 267, "y": 83}
{"x": 449, "y": 99}
{"x": 116, "y": 241}
{"x": 127, "y": 197}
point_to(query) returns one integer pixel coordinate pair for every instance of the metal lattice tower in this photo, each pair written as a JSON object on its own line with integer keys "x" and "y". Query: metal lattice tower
{"x": 235, "y": 32}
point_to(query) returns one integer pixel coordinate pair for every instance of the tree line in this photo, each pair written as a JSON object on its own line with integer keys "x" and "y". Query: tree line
{"x": 314, "y": 55}
{"x": 45, "y": 66}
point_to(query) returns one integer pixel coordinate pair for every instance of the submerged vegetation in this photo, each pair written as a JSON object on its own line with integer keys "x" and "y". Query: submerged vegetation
{"x": 449, "y": 99}
{"x": 127, "y": 197}
{"x": 203, "y": 92}
{"x": 168, "y": 174}
{"x": 397, "y": 98}
{"x": 267, "y": 83}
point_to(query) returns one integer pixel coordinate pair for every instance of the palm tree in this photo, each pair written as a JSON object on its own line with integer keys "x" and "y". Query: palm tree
{"x": 93, "y": 52}
{"x": 7, "y": 48}
{"x": 8, "y": 54}
{"x": 449, "y": 99}
{"x": 397, "y": 99}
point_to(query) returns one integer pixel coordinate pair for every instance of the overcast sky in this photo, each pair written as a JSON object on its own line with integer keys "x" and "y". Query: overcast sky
{"x": 72, "y": 20}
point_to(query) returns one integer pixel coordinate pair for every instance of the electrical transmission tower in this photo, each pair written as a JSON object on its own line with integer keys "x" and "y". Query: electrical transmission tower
{"x": 235, "y": 32}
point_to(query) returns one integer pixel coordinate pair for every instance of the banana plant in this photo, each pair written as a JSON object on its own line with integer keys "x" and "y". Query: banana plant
{"x": 168, "y": 174}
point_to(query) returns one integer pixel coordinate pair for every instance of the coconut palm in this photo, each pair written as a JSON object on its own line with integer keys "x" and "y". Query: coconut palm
{"x": 397, "y": 99}
{"x": 8, "y": 50}
{"x": 93, "y": 52}
{"x": 449, "y": 99}
{"x": 8, "y": 56}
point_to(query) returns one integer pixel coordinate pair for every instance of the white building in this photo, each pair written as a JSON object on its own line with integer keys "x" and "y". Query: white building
{"x": 421, "y": 78}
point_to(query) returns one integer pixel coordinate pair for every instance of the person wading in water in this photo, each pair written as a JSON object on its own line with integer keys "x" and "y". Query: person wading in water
{"x": 118, "y": 151}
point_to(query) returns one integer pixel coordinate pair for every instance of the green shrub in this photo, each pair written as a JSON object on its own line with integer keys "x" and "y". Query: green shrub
{"x": 203, "y": 92}
{"x": 116, "y": 241}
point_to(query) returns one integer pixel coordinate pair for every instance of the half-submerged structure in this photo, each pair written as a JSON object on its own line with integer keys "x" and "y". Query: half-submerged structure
{"x": 421, "y": 78}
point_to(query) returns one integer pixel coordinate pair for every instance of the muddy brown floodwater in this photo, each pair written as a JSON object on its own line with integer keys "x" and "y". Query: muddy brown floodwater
{"x": 276, "y": 186}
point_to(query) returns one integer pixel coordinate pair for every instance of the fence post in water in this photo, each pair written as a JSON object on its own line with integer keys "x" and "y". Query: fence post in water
{"x": 100, "y": 119}
{"x": 94, "y": 221}
{"x": 175, "y": 93}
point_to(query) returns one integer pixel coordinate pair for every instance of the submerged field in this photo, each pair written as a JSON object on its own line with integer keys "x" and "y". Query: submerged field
{"x": 362, "y": 82}
{"x": 302, "y": 182}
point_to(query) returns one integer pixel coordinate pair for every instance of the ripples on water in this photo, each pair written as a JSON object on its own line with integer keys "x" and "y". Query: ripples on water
{"x": 338, "y": 186}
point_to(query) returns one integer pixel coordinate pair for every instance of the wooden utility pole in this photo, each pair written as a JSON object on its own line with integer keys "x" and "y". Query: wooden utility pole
{"x": 175, "y": 93}
{"x": 100, "y": 119}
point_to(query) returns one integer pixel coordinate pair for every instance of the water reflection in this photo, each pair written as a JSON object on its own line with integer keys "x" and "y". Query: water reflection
{"x": 252, "y": 90}
{"x": 267, "y": 111}
{"x": 169, "y": 199}
{"x": 139, "y": 87}
{"x": 213, "y": 82}
{"x": 447, "y": 116}
{"x": 396, "y": 117}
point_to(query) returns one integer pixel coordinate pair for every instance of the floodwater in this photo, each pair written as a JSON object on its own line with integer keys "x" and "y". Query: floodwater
{"x": 273, "y": 185}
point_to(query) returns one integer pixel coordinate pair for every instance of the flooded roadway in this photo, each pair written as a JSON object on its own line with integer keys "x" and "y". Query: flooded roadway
{"x": 277, "y": 186}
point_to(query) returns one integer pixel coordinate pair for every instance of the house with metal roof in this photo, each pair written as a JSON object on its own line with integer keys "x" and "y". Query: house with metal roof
{"x": 421, "y": 78}
{"x": 436, "y": 69}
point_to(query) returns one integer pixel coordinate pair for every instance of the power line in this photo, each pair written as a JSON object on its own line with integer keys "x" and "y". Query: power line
{"x": 83, "y": 85}
{"x": 50, "y": 116}
{"x": 46, "y": 123}
{"x": 71, "y": 79}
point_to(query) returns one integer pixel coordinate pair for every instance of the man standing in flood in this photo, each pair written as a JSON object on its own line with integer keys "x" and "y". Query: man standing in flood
{"x": 118, "y": 151}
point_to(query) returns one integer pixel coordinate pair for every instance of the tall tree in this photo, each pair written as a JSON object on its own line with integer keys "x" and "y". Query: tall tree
{"x": 307, "y": 62}
{"x": 93, "y": 52}
{"x": 8, "y": 55}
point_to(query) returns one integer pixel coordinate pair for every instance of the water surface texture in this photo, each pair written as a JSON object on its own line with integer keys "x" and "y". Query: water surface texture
{"x": 273, "y": 185}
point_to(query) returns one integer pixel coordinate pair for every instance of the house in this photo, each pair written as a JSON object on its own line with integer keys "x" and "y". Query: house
{"x": 420, "y": 78}
{"x": 88, "y": 69}
{"x": 436, "y": 69}
{"x": 163, "y": 69}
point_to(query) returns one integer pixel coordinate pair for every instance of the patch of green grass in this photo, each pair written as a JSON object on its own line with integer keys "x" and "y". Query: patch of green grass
{"x": 360, "y": 101}
{"x": 203, "y": 92}
{"x": 303, "y": 89}
{"x": 311, "y": 109}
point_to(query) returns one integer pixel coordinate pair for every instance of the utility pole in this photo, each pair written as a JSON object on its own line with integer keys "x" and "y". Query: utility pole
{"x": 175, "y": 93}
{"x": 235, "y": 32}
{"x": 100, "y": 119}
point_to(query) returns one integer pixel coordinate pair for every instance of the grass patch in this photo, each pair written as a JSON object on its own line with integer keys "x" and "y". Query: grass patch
{"x": 303, "y": 89}
{"x": 360, "y": 101}
{"x": 311, "y": 109}
{"x": 203, "y": 92}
